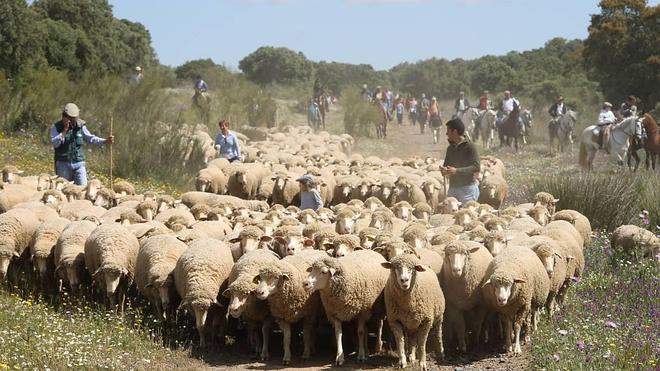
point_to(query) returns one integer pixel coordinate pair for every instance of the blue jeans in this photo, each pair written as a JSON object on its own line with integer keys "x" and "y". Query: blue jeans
{"x": 465, "y": 193}
{"x": 75, "y": 171}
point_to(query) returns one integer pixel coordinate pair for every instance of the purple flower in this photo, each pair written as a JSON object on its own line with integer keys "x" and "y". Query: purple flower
{"x": 611, "y": 324}
{"x": 581, "y": 345}
{"x": 575, "y": 279}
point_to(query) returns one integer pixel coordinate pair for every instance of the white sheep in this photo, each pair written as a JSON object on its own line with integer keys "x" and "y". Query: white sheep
{"x": 286, "y": 190}
{"x": 16, "y": 230}
{"x": 42, "y": 246}
{"x": 464, "y": 268}
{"x": 516, "y": 286}
{"x": 110, "y": 254}
{"x": 415, "y": 304}
{"x": 493, "y": 191}
{"x": 635, "y": 241}
{"x": 200, "y": 273}
{"x": 212, "y": 180}
{"x": 154, "y": 271}
{"x": 69, "y": 253}
{"x": 281, "y": 284}
{"x": 579, "y": 221}
{"x": 351, "y": 289}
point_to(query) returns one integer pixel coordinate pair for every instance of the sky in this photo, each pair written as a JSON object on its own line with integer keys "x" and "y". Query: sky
{"x": 382, "y": 33}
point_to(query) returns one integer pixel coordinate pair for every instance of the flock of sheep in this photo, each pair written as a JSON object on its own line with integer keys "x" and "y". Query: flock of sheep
{"x": 389, "y": 247}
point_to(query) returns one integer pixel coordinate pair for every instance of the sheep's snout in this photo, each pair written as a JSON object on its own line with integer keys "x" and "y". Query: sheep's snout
{"x": 502, "y": 294}
{"x": 4, "y": 265}
{"x": 237, "y": 304}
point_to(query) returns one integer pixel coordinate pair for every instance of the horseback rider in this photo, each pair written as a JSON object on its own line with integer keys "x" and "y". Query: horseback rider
{"x": 201, "y": 85}
{"x": 484, "y": 105}
{"x": 318, "y": 88}
{"x": 605, "y": 118}
{"x": 628, "y": 108}
{"x": 461, "y": 104}
{"x": 366, "y": 95}
{"x": 557, "y": 110}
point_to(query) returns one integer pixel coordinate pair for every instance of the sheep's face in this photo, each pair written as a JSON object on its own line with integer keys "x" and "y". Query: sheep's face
{"x": 345, "y": 225}
{"x": 241, "y": 178}
{"x": 345, "y": 190}
{"x": 362, "y": 190}
{"x": 455, "y": 261}
{"x": 404, "y": 273}
{"x": 307, "y": 218}
{"x": 237, "y": 302}
{"x": 495, "y": 225}
{"x": 462, "y": 218}
{"x": 450, "y": 205}
{"x": 292, "y": 244}
{"x": 51, "y": 199}
{"x": 367, "y": 241}
{"x": 423, "y": 215}
{"x": 280, "y": 183}
{"x": 402, "y": 212}
{"x": 495, "y": 243}
{"x": 393, "y": 250}
{"x": 429, "y": 188}
{"x": 540, "y": 214}
{"x": 490, "y": 191}
{"x": 318, "y": 278}
{"x": 268, "y": 285}
{"x": 202, "y": 185}
{"x": 386, "y": 192}
{"x": 101, "y": 201}
{"x": 342, "y": 249}
{"x": 92, "y": 189}
{"x": 249, "y": 243}
{"x": 11, "y": 177}
{"x": 111, "y": 279}
{"x": 147, "y": 214}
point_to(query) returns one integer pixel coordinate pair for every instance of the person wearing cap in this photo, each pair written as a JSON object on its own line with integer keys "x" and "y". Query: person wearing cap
{"x": 226, "y": 143}
{"x": 629, "y": 107}
{"x": 605, "y": 118}
{"x": 461, "y": 164}
{"x": 67, "y": 137}
{"x": 557, "y": 109}
{"x": 461, "y": 104}
{"x": 508, "y": 103}
{"x": 310, "y": 198}
{"x": 137, "y": 75}
{"x": 484, "y": 105}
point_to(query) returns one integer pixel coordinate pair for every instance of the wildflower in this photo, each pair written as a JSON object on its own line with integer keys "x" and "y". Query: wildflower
{"x": 611, "y": 324}
{"x": 556, "y": 357}
{"x": 563, "y": 332}
{"x": 575, "y": 279}
{"x": 645, "y": 217}
{"x": 581, "y": 345}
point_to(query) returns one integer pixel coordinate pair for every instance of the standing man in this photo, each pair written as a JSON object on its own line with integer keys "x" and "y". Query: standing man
{"x": 412, "y": 113}
{"x": 461, "y": 105}
{"x": 226, "y": 143}
{"x": 400, "y": 107}
{"x": 67, "y": 137}
{"x": 461, "y": 164}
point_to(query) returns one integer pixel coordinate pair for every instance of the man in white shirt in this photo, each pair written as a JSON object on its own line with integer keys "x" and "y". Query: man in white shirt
{"x": 605, "y": 118}
{"x": 508, "y": 103}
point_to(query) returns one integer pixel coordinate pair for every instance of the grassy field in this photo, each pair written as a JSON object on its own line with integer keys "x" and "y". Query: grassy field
{"x": 611, "y": 318}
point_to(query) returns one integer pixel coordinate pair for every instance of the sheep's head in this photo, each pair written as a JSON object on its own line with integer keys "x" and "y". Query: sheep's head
{"x": 441, "y": 239}
{"x": 540, "y": 214}
{"x": 372, "y": 203}
{"x": 422, "y": 211}
{"x": 105, "y": 198}
{"x": 307, "y": 216}
{"x": 238, "y": 293}
{"x": 457, "y": 255}
{"x": 11, "y": 174}
{"x": 362, "y": 190}
{"x": 269, "y": 280}
{"x": 290, "y": 244}
{"x": 495, "y": 224}
{"x": 548, "y": 255}
{"x": 450, "y": 205}
{"x": 464, "y": 217}
{"x": 394, "y": 248}
{"x": 52, "y": 197}
{"x": 368, "y": 237}
{"x": 345, "y": 221}
{"x": 345, "y": 189}
{"x": 403, "y": 269}
{"x": 249, "y": 238}
{"x": 503, "y": 285}
{"x": 345, "y": 244}
{"x": 489, "y": 190}
{"x": 241, "y": 177}
{"x": 402, "y": 210}
{"x": 280, "y": 181}
{"x": 387, "y": 190}
{"x": 320, "y": 275}
{"x": 92, "y": 189}
{"x": 147, "y": 209}
{"x": 547, "y": 200}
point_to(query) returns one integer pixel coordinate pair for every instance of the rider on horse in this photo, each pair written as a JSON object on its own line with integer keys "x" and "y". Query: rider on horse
{"x": 605, "y": 118}
{"x": 484, "y": 105}
{"x": 461, "y": 104}
{"x": 201, "y": 86}
{"x": 557, "y": 110}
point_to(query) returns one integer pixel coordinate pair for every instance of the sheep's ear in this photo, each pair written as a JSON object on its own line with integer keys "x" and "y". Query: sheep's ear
{"x": 386, "y": 265}
{"x": 486, "y": 283}
{"x": 226, "y": 294}
{"x": 559, "y": 255}
{"x": 266, "y": 239}
{"x": 280, "y": 240}
{"x": 16, "y": 254}
{"x": 420, "y": 268}
{"x": 569, "y": 257}
{"x": 255, "y": 280}
{"x": 309, "y": 269}
{"x": 234, "y": 240}
{"x": 519, "y": 280}
{"x": 332, "y": 271}
{"x": 555, "y": 200}
{"x": 285, "y": 276}
{"x": 474, "y": 249}
{"x": 307, "y": 242}
{"x": 357, "y": 248}
{"x": 379, "y": 249}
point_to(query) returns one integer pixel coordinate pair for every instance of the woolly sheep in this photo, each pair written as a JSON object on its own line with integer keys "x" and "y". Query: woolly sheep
{"x": 367, "y": 237}
{"x": 345, "y": 221}
{"x": 461, "y": 277}
{"x": 242, "y": 299}
{"x": 286, "y": 190}
{"x": 110, "y": 254}
{"x": 200, "y": 273}
{"x": 496, "y": 224}
{"x": 450, "y": 205}
{"x": 147, "y": 209}
{"x": 524, "y": 224}
{"x": 41, "y": 211}
{"x": 402, "y": 210}
{"x": 345, "y": 244}
{"x": 540, "y": 214}
{"x": 516, "y": 285}
{"x": 289, "y": 240}
{"x": 243, "y": 183}
{"x": 579, "y": 221}
{"x": 635, "y": 241}
{"x": 415, "y": 304}
{"x": 154, "y": 271}
{"x": 11, "y": 174}
{"x": 212, "y": 180}
{"x": 69, "y": 253}
{"x": 422, "y": 210}
{"x": 407, "y": 191}
{"x": 43, "y": 243}
{"x": 351, "y": 288}
{"x": 281, "y": 284}
{"x": 250, "y": 238}
{"x": 493, "y": 191}
{"x": 546, "y": 200}
{"x": 464, "y": 217}
{"x": 123, "y": 188}
{"x": 555, "y": 263}
{"x": 16, "y": 230}
{"x": 11, "y": 196}
{"x": 415, "y": 235}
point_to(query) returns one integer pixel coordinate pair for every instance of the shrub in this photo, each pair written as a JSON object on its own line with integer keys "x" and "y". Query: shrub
{"x": 360, "y": 116}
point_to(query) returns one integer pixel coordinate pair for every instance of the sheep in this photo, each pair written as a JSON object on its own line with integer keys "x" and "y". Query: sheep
{"x": 129, "y": 217}
{"x": 154, "y": 271}
{"x": 372, "y": 203}
{"x": 200, "y": 273}
{"x": 281, "y": 284}
{"x": 439, "y": 240}
{"x": 11, "y": 196}
{"x": 323, "y": 239}
{"x": 191, "y": 199}
{"x": 345, "y": 244}
{"x": 415, "y": 235}
{"x": 579, "y": 221}
{"x": 493, "y": 191}
{"x": 43, "y": 212}
{"x": 43, "y": 243}
{"x": 351, "y": 288}
{"x": 382, "y": 220}
{"x": 185, "y": 216}
{"x": 73, "y": 192}
{"x": 242, "y": 301}
{"x": 407, "y": 191}
{"x": 367, "y": 237}
{"x": 540, "y": 214}
{"x": 546, "y": 200}
{"x": 243, "y": 183}
{"x": 496, "y": 224}
{"x": 123, "y": 188}
{"x": 525, "y": 224}
{"x": 69, "y": 253}
{"x": 422, "y": 210}
{"x": 551, "y": 255}
{"x": 105, "y": 198}
{"x": 286, "y": 190}
{"x": 433, "y": 191}
{"x": 289, "y": 240}
{"x": 450, "y": 205}
{"x": 165, "y": 202}
{"x": 415, "y": 304}
{"x": 16, "y": 230}
{"x": 249, "y": 238}
{"x": 307, "y": 216}
{"x": 110, "y": 254}
{"x": 636, "y": 241}
{"x": 212, "y": 180}
{"x": 385, "y": 193}
{"x": 516, "y": 285}
{"x": 402, "y": 210}
{"x": 477, "y": 234}
{"x": 345, "y": 221}
{"x": 464, "y": 217}
{"x": 265, "y": 190}
{"x": 11, "y": 174}
{"x": 147, "y": 209}
{"x": 463, "y": 271}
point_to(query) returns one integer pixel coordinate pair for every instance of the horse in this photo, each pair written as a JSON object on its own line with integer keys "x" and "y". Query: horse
{"x": 562, "y": 130}
{"x": 469, "y": 117}
{"x": 616, "y": 143}
{"x": 381, "y": 120}
{"x": 202, "y": 101}
{"x": 651, "y": 144}
{"x": 526, "y": 118}
{"x": 510, "y": 128}
{"x": 488, "y": 127}
{"x": 323, "y": 108}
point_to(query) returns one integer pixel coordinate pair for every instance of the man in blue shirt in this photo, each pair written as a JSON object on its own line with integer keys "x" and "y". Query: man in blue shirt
{"x": 227, "y": 143}
{"x": 67, "y": 137}
{"x": 310, "y": 198}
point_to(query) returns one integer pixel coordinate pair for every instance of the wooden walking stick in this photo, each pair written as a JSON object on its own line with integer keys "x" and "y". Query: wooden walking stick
{"x": 111, "y": 124}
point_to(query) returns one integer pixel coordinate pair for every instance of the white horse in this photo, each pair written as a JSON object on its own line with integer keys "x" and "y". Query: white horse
{"x": 469, "y": 118}
{"x": 488, "y": 128}
{"x": 562, "y": 130}
{"x": 616, "y": 143}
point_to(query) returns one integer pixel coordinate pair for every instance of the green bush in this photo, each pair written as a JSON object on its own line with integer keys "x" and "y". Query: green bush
{"x": 360, "y": 116}
{"x": 608, "y": 200}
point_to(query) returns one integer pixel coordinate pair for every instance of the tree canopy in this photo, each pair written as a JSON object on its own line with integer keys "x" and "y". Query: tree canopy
{"x": 282, "y": 65}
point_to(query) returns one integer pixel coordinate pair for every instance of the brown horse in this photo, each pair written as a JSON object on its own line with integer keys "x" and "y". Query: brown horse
{"x": 509, "y": 128}
{"x": 651, "y": 145}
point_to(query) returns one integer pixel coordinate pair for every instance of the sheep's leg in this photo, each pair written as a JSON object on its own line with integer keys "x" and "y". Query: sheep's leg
{"x": 459, "y": 328}
{"x": 440, "y": 349}
{"x": 362, "y": 339}
{"x": 397, "y": 331}
{"x": 479, "y": 317}
{"x": 265, "y": 333}
{"x": 507, "y": 333}
{"x": 286, "y": 341}
{"x": 339, "y": 359}
{"x": 379, "y": 337}
{"x": 422, "y": 335}
{"x": 308, "y": 328}
{"x": 253, "y": 338}
{"x": 516, "y": 327}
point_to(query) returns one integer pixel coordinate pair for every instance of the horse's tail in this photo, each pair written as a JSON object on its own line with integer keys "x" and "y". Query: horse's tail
{"x": 583, "y": 156}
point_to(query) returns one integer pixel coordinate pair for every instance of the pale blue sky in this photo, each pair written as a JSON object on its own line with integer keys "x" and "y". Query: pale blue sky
{"x": 382, "y": 33}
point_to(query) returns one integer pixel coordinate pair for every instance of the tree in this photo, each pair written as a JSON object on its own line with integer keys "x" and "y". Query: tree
{"x": 20, "y": 37}
{"x": 622, "y": 51}
{"x": 268, "y": 64}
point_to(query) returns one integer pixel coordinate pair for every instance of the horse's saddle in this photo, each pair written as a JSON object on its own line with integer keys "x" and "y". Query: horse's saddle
{"x": 606, "y": 132}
